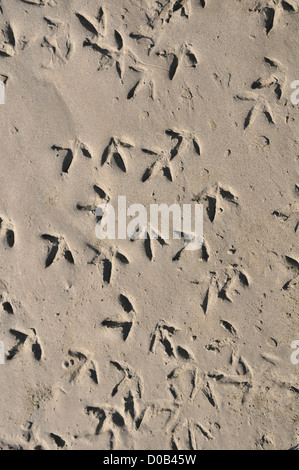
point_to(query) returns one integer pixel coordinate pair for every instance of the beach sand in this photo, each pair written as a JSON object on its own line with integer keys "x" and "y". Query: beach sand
{"x": 114, "y": 344}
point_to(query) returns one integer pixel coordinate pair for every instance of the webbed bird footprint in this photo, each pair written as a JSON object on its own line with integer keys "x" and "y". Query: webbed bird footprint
{"x": 214, "y": 198}
{"x": 163, "y": 336}
{"x": 107, "y": 257}
{"x": 116, "y": 151}
{"x": 234, "y": 278}
{"x": 242, "y": 376}
{"x": 147, "y": 234}
{"x": 95, "y": 25}
{"x": 164, "y": 159}
{"x": 57, "y": 41}
{"x": 76, "y": 362}
{"x": 20, "y": 340}
{"x": 102, "y": 194}
{"x": 274, "y": 81}
{"x": 123, "y": 321}
{"x": 109, "y": 55}
{"x": 58, "y": 248}
{"x": 7, "y": 41}
{"x": 165, "y": 13}
{"x": 185, "y": 55}
{"x": 109, "y": 419}
{"x": 129, "y": 381}
{"x": 69, "y": 153}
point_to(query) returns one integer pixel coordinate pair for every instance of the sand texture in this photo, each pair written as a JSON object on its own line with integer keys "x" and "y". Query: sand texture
{"x": 114, "y": 344}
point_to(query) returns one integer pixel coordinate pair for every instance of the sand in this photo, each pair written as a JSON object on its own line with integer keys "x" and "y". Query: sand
{"x": 113, "y": 344}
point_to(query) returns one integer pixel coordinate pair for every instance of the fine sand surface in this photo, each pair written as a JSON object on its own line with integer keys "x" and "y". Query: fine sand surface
{"x": 144, "y": 345}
